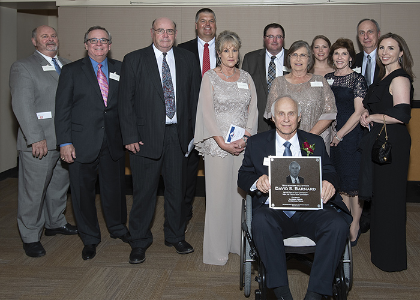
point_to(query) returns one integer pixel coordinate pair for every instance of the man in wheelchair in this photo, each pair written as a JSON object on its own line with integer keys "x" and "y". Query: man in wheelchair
{"x": 328, "y": 227}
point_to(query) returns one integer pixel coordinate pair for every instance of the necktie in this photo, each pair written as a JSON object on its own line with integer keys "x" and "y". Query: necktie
{"x": 206, "y": 59}
{"x": 271, "y": 72}
{"x": 103, "y": 84}
{"x": 288, "y": 152}
{"x": 168, "y": 88}
{"x": 368, "y": 69}
{"x": 56, "y": 66}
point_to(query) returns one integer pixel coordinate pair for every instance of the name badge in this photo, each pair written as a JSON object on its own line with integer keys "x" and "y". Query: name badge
{"x": 330, "y": 81}
{"x": 45, "y": 114}
{"x": 48, "y": 68}
{"x": 358, "y": 70}
{"x": 316, "y": 84}
{"x": 114, "y": 76}
{"x": 266, "y": 161}
{"x": 242, "y": 85}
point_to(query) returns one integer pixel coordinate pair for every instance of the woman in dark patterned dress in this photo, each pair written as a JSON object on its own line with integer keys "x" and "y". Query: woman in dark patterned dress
{"x": 349, "y": 89}
{"x": 388, "y": 100}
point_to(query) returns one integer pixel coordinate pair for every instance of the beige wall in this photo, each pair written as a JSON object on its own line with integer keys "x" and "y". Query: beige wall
{"x": 130, "y": 26}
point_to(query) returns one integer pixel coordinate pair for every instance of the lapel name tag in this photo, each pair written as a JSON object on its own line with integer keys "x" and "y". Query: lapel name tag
{"x": 242, "y": 85}
{"x": 316, "y": 84}
{"x": 330, "y": 81}
{"x": 358, "y": 70}
{"x": 45, "y": 114}
{"x": 114, "y": 76}
{"x": 48, "y": 68}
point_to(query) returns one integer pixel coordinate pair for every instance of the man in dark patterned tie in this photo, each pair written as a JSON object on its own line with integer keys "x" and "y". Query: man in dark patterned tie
{"x": 157, "y": 104}
{"x": 89, "y": 135}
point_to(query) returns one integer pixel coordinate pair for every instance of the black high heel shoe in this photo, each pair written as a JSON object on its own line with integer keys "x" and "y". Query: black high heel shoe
{"x": 354, "y": 243}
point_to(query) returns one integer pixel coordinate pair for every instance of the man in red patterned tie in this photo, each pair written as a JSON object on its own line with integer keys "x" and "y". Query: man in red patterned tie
{"x": 88, "y": 132}
{"x": 203, "y": 46}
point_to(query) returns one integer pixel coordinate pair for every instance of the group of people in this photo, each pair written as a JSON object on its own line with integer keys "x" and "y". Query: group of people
{"x": 167, "y": 105}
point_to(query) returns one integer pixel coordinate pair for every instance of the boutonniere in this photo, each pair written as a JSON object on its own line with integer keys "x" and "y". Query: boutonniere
{"x": 308, "y": 148}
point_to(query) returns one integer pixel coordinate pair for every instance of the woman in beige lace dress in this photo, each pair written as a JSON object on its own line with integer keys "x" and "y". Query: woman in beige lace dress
{"x": 311, "y": 91}
{"x": 227, "y": 97}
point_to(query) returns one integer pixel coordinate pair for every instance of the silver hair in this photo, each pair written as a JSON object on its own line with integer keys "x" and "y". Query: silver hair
{"x": 372, "y": 20}
{"x": 286, "y": 96}
{"x": 35, "y": 30}
{"x": 294, "y": 47}
{"x": 294, "y": 162}
{"x": 96, "y": 27}
{"x": 153, "y": 24}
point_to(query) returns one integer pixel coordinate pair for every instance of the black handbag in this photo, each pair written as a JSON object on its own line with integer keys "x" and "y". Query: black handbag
{"x": 381, "y": 150}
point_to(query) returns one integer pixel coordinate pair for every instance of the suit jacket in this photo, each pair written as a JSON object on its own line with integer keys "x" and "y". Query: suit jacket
{"x": 254, "y": 64}
{"x": 81, "y": 115}
{"x": 359, "y": 63}
{"x": 142, "y": 104}
{"x": 289, "y": 179}
{"x": 263, "y": 145}
{"x": 33, "y": 91}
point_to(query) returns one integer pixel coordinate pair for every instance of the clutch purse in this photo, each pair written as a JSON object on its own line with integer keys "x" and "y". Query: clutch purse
{"x": 381, "y": 150}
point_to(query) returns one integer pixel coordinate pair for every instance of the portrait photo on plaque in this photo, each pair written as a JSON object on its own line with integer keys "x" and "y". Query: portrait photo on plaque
{"x": 295, "y": 182}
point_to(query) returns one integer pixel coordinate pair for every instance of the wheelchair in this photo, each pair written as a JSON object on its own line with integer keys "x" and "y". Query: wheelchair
{"x": 295, "y": 247}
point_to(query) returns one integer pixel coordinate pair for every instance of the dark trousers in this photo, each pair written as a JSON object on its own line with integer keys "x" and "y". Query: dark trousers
{"x": 112, "y": 192}
{"x": 146, "y": 173}
{"x": 326, "y": 227}
{"x": 191, "y": 183}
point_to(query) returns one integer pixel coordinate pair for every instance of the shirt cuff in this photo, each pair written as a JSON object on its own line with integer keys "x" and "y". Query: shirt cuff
{"x": 66, "y": 144}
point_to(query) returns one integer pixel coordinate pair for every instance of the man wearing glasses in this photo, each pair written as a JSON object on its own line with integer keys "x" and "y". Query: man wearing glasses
{"x": 157, "y": 105}
{"x": 89, "y": 135}
{"x": 264, "y": 65}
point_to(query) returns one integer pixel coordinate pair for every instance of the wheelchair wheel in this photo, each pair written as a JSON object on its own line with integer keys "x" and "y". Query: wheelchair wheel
{"x": 348, "y": 266}
{"x": 340, "y": 286}
{"x": 261, "y": 292}
{"x": 245, "y": 259}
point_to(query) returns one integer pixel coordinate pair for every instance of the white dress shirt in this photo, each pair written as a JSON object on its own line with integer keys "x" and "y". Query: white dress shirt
{"x": 372, "y": 64}
{"x": 49, "y": 59}
{"x": 278, "y": 61}
{"x": 170, "y": 59}
{"x": 212, "y": 51}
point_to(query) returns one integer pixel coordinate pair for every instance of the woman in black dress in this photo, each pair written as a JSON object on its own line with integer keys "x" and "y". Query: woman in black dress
{"x": 349, "y": 89}
{"x": 388, "y": 101}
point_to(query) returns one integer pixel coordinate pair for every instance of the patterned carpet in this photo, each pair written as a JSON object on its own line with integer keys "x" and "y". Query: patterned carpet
{"x": 62, "y": 274}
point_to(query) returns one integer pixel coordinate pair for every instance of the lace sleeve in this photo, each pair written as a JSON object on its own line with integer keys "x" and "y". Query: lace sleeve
{"x": 360, "y": 87}
{"x": 206, "y": 125}
{"x": 252, "y": 124}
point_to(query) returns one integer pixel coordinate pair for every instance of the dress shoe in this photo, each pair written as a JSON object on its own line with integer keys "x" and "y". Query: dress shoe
{"x": 67, "y": 229}
{"x": 34, "y": 249}
{"x": 137, "y": 256}
{"x": 126, "y": 237}
{"x": 182, "y": 247}
{"x": 354, "y": 243}
{"x": 89, "y": 251}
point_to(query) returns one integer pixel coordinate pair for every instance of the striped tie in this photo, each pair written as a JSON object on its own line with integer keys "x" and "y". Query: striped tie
{"x": 103, "y": 84}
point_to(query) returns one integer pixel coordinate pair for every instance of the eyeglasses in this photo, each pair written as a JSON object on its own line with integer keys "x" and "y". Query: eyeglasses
{"x": 95, "y": 41}
{"x": 302, "y": 55}
{"x": 279, "y": 37}
{"x": 162, "y": 31}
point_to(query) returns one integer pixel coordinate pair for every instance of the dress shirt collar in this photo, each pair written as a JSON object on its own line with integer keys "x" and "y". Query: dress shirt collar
{"x": 201, "y": 42}
{"x": 295, "y": 147}
{"x": 279, "y": 56}
{"x": 170, "y": 53}
{"x": 49, "y": 59}
{"x": 372, "y": 55}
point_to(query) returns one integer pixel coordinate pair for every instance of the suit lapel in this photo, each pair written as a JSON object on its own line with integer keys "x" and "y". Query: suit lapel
{"x": 43, "y": 62}
{"x": 302, "y": 138}
{"x": 153, "y": 70}
{"x": 180, "y": 76}
{"x": 261, "y": 70}
{"x": 90, "y": 74}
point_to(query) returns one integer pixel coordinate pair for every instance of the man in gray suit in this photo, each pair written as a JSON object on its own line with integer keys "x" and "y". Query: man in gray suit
{"x": 264, "y": 65}
{"x": 43, "y": 181}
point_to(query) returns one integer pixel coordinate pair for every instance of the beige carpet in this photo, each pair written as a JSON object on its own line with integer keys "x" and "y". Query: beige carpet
{"x": 62, "y": 274}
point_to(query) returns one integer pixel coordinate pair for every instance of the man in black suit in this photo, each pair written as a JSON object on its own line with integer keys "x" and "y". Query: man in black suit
{"x": 89, "y": 136}
{"x": 328, "y": 227}
{"x": 158, "y": 99}
{"x": 368, "y": 33}
{"x": 294, "y": 178}
{"x": 203, "y": 47}
{"x": 264, "y": 65}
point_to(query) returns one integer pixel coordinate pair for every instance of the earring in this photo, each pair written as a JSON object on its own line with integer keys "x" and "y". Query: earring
{"x": 219, "y": 61}
{"x": 400, "y": 60}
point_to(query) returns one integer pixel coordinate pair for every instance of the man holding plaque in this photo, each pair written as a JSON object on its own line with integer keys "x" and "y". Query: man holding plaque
{"x": 327, "y": 227}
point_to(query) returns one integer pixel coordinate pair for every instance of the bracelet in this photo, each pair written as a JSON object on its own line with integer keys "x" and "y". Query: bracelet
{"x": 338, "y": 138}
{"x": 245, "y": 138}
